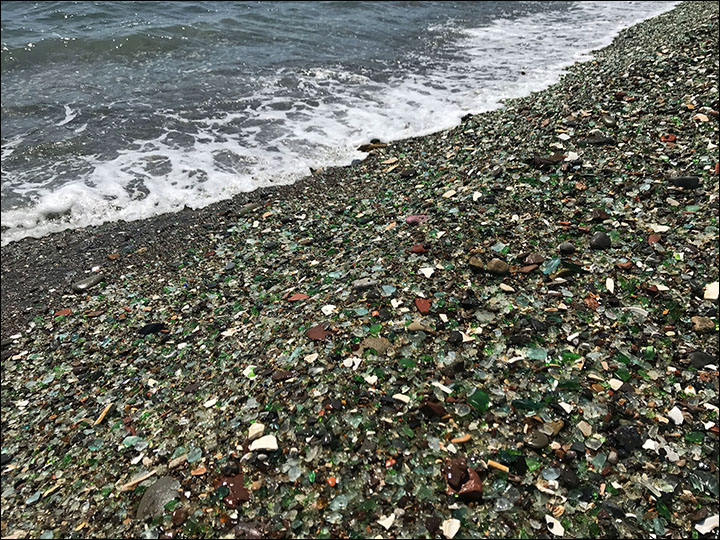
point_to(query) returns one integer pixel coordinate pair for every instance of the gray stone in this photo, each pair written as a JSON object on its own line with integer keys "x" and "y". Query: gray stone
{"x": 598, "y": 140}
{"x": 248, "y": 208}
{"x": 363, "y": 284}
{"x": 538, "y": 440}
{"x": 608, "y": 121}
{"x": 567, "y": 248}
{"x": 701, "y": 359}
{"x": 600, "y": 240}
{"x": 152, "y": 504}
{"x": 87, "y": 283}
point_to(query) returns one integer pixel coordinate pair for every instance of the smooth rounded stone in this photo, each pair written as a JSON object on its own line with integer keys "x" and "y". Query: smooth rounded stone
{"x": 685, "y": 182}
{"x": 248, "y": 208}
{"x": 498, "y": 267}
{"x": 628, "y": 437}
{"x": 701, "y": 359}
{"x": 702, "y": 324}
{"x": 151, "y": 328}
{"x": 363, "y": 284}
{"x": 248, "y": 529}
{"x": 608, "y": 121}
{"x": 417, "y": 219}
{"x": 152, "y": 504}
{"x": 537, "y": 440}
{"x": 598, "y": 140}
{"x": 600, "y": 240}
{"x": 534, "y": 258}
{"x": 612, "y": 457}
{"x": 567, "y": 248}
{"x": 569, "y": 478}
{"x": 476, "y": 264}
{"x": 87, "y": 283}
{"x": 179, "y": 516}
{"x": 371, "y": 146}
{"x": 266, "y": 443}
{"x": 5, "y": 458}
{"x": 256, "y": 430}
{"x": 578, "y": 447}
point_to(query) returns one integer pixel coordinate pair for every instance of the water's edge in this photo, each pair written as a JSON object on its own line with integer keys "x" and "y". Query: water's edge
{"x": 37, "y": 272}
{"x": 89, "y": 209}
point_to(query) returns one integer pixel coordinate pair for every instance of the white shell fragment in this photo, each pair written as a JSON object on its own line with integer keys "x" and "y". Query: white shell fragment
{"x": 566, "y": 407}
{"x": 708, "y": 524}
{"x": 210, "y": 402}
{"x": 610, "y": 285}
{"x": 711, "y": 291}
{"x": 268, "y": 442}
{"x": 554, "y": 526}
{"x": 676, "y": 415}
{"x": 450, "y": 527}
{"x": 651, "y": 445}
{"x": 387, "y": 521}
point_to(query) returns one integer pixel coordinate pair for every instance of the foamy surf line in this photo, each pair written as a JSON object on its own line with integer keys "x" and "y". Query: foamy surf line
{"x": 278, "y": 141}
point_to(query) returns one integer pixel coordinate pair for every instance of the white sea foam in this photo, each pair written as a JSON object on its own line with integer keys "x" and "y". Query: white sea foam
{"x": 278, "y": 140}
{"x": 69, "y": 116}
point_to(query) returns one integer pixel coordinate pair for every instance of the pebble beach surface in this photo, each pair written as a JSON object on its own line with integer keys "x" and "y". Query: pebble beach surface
{"x": 506, "y": 329}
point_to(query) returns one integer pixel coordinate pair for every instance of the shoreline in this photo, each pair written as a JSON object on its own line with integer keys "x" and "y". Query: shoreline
{"x": 492, "y": 328}
{"x": 65, "y": 254}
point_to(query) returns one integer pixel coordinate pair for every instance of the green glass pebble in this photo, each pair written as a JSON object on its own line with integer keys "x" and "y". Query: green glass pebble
{"x": 131, "y": 440}
{"x": 537, "y": 354}
{"x": 551, "y": 266}
{"x": 480, "y": 400}
{"x": 194, "y": 455}
{"x": 34, "y": 497}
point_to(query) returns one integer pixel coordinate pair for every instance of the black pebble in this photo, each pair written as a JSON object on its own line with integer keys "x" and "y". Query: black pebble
{"x": 701, "y": 359}
{"x": 151, "y": 328}
{"x": 686, "y": 182}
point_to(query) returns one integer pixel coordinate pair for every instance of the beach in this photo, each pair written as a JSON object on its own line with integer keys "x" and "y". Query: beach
{"x": 504, "y": 329}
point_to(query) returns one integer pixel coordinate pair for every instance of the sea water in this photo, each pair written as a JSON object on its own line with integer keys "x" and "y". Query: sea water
{"x": 123, "y": 110}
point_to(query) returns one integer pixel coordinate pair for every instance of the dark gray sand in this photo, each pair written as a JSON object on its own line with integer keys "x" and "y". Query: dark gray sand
{"x": 507, "y": 329}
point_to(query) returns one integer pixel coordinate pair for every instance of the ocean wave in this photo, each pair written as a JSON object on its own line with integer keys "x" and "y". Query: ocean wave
{"x": 229, "y": 128}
